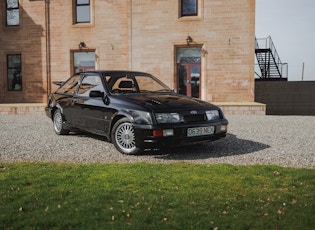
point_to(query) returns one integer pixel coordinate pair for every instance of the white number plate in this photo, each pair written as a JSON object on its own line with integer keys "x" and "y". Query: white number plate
{"x": 200, "y": 131}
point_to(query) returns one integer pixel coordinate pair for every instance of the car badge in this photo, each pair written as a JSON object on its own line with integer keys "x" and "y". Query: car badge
{"x": 193, "y": 112}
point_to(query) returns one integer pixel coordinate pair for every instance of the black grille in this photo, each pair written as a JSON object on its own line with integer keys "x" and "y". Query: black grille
{"x": 195, "y": 118}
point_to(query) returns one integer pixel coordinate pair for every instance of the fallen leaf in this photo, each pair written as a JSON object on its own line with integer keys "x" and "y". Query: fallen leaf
{"x": 276, "y": 172}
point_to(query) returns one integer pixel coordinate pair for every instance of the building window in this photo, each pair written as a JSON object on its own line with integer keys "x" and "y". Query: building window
{"x": 13, "y": 12}
{"x": 82, "y": 8}
{"x": 189, "y": 8}
{"x": 83, "y": 61}
{"x": 14, "y": 71}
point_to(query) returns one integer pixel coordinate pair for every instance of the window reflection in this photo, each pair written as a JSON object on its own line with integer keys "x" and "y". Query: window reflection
{"x": 82, "y": 11}
{"x": 13, "y": 12}
{"x": 14, "y": 72}
{"x": 84, "y": 61}
{"x": 189, "y": 7}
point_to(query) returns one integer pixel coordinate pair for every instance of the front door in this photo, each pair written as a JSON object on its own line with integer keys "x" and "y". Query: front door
{"x": 189, "y": 79}
{"x": 88, "y": 112}
{"x": 189, "y": 71}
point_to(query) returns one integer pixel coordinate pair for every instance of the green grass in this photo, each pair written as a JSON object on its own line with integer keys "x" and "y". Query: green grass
{"x": 155, "y": 196}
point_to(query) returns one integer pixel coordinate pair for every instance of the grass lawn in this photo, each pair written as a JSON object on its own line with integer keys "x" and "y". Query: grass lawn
{"x": 155, "y": 196}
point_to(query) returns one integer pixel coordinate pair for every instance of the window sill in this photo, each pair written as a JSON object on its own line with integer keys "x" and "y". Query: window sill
{"x": 190, "y": 18}
{"x": 83, "y": 25}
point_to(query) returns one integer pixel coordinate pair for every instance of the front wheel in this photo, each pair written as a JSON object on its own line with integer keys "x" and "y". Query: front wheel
{"x": 59, "y": 123}
{"x": 123, "y": 137}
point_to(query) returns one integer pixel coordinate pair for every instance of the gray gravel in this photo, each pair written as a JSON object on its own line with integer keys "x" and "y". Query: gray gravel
{"x": 278, "y": 140}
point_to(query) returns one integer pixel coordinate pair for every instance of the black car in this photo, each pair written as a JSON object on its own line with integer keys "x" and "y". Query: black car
{"x": 133, "y": 110}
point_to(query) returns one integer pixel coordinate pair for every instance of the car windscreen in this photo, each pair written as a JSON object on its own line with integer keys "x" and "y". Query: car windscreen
{"x": 134, "y": 83}
{"x": 70, "y": 86}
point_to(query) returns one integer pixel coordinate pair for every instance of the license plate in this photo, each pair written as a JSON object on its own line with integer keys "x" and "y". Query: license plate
{"x": 200, "y": 131}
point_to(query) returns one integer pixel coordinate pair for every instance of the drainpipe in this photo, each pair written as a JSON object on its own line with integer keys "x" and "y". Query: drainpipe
{"x": 48, "y": 55}
{"x": 130, "y": 35}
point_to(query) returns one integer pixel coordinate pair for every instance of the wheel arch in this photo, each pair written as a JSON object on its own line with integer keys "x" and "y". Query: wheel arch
{"x": 117, "y": 117}
{"x": 53, "y": 110}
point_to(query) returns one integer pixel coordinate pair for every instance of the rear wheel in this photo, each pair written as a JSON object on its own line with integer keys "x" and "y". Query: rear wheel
{"x": 123, "y": 137}
{"x": 59, "y": 123}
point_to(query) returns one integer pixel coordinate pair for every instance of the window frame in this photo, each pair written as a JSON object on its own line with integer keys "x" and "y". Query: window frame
{"x": 12, "y": 89}
{"x": 75, "y": 7}
{"x": 8, "y": 9}
{"x": 189, "y": 14}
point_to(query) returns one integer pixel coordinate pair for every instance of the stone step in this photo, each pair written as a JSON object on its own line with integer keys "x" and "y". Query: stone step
{"x": 23, "y": 108}
{"x": 245, "y": 108}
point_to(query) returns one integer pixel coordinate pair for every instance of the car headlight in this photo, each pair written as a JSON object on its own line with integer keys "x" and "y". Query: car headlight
{"x": 213, "y": 115}
{"x": 167, "y": 117}
{"x": 141, "y": 117}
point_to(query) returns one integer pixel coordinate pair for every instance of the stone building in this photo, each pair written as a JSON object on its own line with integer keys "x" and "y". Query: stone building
{"x": 201, "y": 48}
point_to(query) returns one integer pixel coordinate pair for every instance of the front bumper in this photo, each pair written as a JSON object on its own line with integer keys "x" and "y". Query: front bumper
{"x": 146, "y": 139}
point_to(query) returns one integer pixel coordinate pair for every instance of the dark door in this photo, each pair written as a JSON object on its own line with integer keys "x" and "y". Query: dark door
{"x": 189, "y": 79}
{"x": 188, "y": 61}
{"x": 89, "y": 111}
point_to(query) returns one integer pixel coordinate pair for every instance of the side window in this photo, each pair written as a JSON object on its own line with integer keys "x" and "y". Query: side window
{"x": 90, "y": 83}
{"x": 82, "y": 11}
{"x": 14, "y": 70}
{"x": 13, "y": 12}
{"x": 69, "y": 87}
{"x": 189, "y": 8}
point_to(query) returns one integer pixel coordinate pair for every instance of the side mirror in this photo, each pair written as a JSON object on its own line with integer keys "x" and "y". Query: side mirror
{"x": 96, "y": 93}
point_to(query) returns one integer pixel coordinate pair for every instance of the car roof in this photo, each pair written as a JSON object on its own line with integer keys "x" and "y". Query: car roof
{"x": 113, "y": 71}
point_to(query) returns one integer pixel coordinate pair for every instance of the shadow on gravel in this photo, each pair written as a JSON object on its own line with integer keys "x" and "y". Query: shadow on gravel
{"x": 228, "y": 146}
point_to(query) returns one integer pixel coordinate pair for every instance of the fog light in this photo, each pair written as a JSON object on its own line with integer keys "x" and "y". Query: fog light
{"x": 163, "y": 133}
{"x": 223, "y": 128}
{"x": 168, "y": 132}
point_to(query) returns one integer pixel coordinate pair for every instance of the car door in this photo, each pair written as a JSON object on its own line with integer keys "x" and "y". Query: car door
{"x": 88, "y": 104}
{"x": 64, "y": 97}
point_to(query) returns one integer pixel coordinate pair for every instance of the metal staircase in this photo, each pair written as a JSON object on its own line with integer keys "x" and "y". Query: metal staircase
{"x": 269, "y": 63}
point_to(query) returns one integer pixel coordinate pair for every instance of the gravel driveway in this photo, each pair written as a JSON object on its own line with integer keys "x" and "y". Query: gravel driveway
{"x": 278, "y": 140}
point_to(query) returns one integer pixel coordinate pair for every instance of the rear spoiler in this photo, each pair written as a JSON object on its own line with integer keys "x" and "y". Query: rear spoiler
{"x": 59, "y": 83}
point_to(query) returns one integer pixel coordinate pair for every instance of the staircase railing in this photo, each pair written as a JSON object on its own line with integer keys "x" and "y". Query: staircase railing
{"x": 267, "y": 44}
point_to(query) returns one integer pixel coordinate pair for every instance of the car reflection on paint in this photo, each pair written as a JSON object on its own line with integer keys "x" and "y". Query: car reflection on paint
{"x": 133, "y": 110}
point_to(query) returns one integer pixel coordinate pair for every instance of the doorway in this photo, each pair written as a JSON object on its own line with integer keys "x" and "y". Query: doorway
{"x": 188, "y": 71}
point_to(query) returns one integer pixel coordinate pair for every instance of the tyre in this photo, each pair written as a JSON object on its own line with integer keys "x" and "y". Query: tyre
{"x": 59, "y": 123}
{"x": 123, "y": 137}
